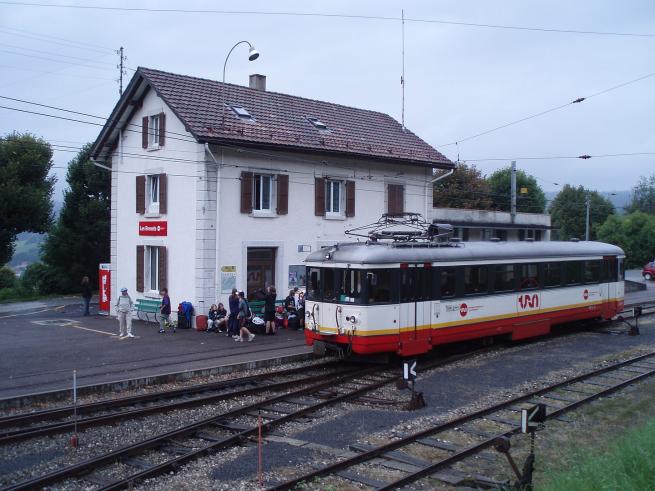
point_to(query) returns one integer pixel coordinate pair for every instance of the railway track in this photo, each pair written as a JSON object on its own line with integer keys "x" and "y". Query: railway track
{"x": 59, "y": 420}
{"x": 405, "y": 458}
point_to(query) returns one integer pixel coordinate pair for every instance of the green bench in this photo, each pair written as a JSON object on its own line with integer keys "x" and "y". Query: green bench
{"x": 257, "y": 307}
{"x": 147, "y": 307}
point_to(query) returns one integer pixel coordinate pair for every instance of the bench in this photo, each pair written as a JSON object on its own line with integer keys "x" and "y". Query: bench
{"x": 147, "y": 307}
{"x": 257, "y": 306}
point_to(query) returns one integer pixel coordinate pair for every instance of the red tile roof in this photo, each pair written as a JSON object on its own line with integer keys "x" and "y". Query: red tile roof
{"x": 280, "y": 120}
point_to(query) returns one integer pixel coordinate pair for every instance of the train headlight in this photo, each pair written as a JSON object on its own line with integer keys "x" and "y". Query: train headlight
{"x": 352, "y": 318}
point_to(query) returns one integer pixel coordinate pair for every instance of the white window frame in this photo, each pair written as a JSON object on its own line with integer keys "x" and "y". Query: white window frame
{"x": 151, "y": 277}
{"x": 329, "y": 201}
{"x": 153, "y": 132}
{"x": 257, "y": 207}
{"x": 152, "y": 194}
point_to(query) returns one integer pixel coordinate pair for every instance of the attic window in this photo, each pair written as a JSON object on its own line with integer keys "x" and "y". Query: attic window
{"x": 317, "y": 123}
{"x": 241, "y": 112}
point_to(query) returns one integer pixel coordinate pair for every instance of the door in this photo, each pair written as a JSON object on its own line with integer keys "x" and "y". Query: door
{"x": 260, "y": 272}
{"x": 408, "y": 309}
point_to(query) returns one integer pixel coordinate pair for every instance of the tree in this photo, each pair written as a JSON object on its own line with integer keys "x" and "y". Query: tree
{"x": 25, "y": 189}
{"x": 7, "y": 278}
{"x": 533, "y": 201}
{"x": 465, "y": 188}
{"x": 568, "y": 212}
{"x": 79, "y": 240}
{"x": 634, "y": 233}
{"x": 643, "y": 196}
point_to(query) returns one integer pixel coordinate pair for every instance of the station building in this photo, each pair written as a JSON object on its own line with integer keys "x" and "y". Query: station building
{"x": 216, "y": 185}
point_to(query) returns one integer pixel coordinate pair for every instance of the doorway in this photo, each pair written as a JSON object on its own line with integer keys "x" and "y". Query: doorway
{"x": 260, "y": 271}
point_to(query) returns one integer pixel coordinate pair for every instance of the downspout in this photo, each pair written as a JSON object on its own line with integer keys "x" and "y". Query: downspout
{"x": 218, "y": 215}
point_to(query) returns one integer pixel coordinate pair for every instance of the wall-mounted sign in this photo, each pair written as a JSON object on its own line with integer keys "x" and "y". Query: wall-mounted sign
{"x": 228, "y": 278}
{"x": 153, "y": 228}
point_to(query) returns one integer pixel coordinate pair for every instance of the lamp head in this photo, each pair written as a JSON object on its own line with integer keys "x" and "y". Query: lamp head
{"x": 253, "y": 54}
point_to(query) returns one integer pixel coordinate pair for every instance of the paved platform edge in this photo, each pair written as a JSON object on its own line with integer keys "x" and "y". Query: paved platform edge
{"x": 16, "y": 402}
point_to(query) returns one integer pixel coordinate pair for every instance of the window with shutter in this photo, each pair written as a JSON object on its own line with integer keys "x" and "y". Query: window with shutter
{"x": 162, "y": 129}
{"x": 140, "y": 251}
{"x": 319, "y": 196}
{"x": 141, "y": 194}
{"x": 144, "y": 132}
{"x": 350, "y": 198}
{"x": 246, "y": 192}
{"x": 396, "y": 198}
{"x": 163, "y": 193}
{"x": 162, "y": 269}
{"x": 282, "y": 194}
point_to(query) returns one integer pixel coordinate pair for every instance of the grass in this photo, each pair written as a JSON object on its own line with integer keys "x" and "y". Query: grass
{"x": 9, "y": 295}
{"x": 627, "y": 464}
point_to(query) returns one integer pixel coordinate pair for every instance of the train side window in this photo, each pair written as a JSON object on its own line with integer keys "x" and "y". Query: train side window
{"x": 313, "y": 284}
{"x": 609, "y": 269}
{"x": 573, "y": 272}
{"x": 446, "y": 282}
{"x": 380, "y": 282}
{"x": 528, "y": 276}
{"x": 476, "y": 280}
{"x": 621, "y": 270}
{"x": 552, "y": 274}
{"x": 504, "y": 278}
{"x": 592, "y": 271}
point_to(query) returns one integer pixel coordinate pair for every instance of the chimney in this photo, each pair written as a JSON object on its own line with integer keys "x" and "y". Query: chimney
{"x": 258, "y": 82}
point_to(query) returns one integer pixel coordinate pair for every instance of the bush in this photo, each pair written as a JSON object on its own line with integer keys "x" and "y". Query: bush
{"x": 39, "y": 279}
{"x": 7, "y": 278}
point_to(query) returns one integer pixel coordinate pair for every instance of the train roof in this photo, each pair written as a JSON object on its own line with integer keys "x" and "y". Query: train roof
{"x": 393, "y": 253}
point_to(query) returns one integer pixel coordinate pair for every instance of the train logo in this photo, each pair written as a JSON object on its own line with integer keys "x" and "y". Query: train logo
{"x": 585, "y": 294}
{"x": 463, "y": 310}
{"x": 527, "y": 301}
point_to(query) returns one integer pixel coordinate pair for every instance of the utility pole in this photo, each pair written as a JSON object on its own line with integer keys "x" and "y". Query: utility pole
{"x": 121, "y": 69}
{"x": 513, "y": 192}
{"x": 402, "y": 76}
{"x": 586, "y": 223}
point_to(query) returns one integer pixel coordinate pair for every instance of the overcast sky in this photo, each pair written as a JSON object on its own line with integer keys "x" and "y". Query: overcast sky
{"x": 460, "y": 80}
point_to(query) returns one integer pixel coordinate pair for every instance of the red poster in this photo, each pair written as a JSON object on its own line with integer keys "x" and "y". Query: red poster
{"x": 104, "y": 288}
{"x": 153, "y": 228}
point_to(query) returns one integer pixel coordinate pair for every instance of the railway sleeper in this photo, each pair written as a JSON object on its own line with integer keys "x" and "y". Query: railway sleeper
{"x": 393, "y": 455}
{"x": 557, "y": 397}
{"x": 203, "y": 435}
{"x": 452, "y": 448}
{"x": 138, "y": 463}
{"x": 358, "y": 478}
{"x": 263, "y": 414}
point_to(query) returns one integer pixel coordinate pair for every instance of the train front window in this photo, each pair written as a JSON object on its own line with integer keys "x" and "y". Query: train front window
{"x": 350, "y": 285}
{"x": 476, "y": 280}
{"x": 379, "y": 285}
{"x": 329, "y": 291}
{"x": 313, "y": 284}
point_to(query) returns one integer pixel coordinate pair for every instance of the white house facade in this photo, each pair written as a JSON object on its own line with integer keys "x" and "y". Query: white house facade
{"x": 216, "y": 186}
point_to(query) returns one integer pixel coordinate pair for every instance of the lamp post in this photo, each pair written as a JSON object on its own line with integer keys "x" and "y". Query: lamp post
{"x": 253, "y": 54}
{"x": 588, "y": 213}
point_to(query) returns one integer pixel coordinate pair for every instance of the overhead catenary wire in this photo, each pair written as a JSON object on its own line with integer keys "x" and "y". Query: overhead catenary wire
{"x": 327, "y": 15}
{"x": 12, "y": 31}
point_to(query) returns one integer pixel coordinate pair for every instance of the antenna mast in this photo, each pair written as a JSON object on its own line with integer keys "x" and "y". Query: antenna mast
{"x": 121, "y": 68}
{"x": 402, "y": 77}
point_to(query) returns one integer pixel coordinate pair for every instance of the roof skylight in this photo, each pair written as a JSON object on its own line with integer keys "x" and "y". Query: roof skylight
{"x": 241, "y": 112}
{"x": 317, "y": 123}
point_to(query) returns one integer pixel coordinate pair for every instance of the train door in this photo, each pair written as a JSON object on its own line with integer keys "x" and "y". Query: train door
{"x": 312, "y": 303}
{"x": 407, "y": 308}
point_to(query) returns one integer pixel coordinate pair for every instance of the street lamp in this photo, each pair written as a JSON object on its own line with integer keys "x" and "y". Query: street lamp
{"x": 588, "y": 213}
{"x": 253, "y": 54}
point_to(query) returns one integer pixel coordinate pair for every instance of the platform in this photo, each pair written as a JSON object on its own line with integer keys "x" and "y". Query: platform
{"x": 44, "y": 342}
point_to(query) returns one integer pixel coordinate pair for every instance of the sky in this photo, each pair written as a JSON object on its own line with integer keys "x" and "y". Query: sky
{"x": 460, "y": 80}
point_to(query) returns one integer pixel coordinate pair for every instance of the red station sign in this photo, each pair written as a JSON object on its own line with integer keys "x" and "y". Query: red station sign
{"x": 153, "y": 228}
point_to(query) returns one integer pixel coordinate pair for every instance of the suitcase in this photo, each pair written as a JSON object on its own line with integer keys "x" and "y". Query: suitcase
{"x": 201, "y": 323}
{"x": 294, "y": 322}
{"x": 182, "y": 323}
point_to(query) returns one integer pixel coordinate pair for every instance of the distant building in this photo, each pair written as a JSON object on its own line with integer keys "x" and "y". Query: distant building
{"x": 472, "y": 225}
{"x": 217, "y": 185}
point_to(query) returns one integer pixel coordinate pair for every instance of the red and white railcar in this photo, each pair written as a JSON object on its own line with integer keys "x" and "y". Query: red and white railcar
{"x": 405, "y": 298}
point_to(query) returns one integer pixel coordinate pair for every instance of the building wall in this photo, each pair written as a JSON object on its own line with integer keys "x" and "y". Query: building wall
{"x": 207, "y": 231}
{"x": 129, "y": 159}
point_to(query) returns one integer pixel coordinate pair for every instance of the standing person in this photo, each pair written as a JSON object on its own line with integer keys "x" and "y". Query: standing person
{"x": 165, "y": 311}
{"x": 301, "y": 309}
{"x": 243, "y": 316}
{"x": 233, "y": 322}
{"x": 86, "y": 294}
{"x": 269, "y": 310}
{"x": 124, "y": 311}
